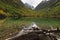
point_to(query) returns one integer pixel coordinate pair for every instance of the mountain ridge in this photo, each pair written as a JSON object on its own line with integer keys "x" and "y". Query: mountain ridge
{"x": 16, "y": 9}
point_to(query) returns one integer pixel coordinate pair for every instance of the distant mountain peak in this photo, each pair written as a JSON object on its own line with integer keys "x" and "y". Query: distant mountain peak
{"x": 32, "y": 3}
{"x": 29, "y": 6}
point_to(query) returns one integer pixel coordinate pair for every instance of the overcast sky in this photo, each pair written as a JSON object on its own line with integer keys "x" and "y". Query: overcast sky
{"x": 32, "y": 2}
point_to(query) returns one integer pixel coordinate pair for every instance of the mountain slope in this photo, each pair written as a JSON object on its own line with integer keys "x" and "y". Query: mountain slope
{"x": 50, "y": 8}
{"x": 44, "y": 4}
{"x": 14, "y": 8}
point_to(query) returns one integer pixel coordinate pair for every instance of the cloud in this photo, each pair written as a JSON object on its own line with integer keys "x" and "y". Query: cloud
{"x": 32, "y": 2}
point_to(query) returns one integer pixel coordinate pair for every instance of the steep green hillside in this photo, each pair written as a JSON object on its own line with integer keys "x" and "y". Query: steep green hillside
{"x": 51, "y": 9}
{"x": 14, "y": 8}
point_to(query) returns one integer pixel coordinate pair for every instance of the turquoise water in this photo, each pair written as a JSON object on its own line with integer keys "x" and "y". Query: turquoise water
{"x": 39, "y": 21}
